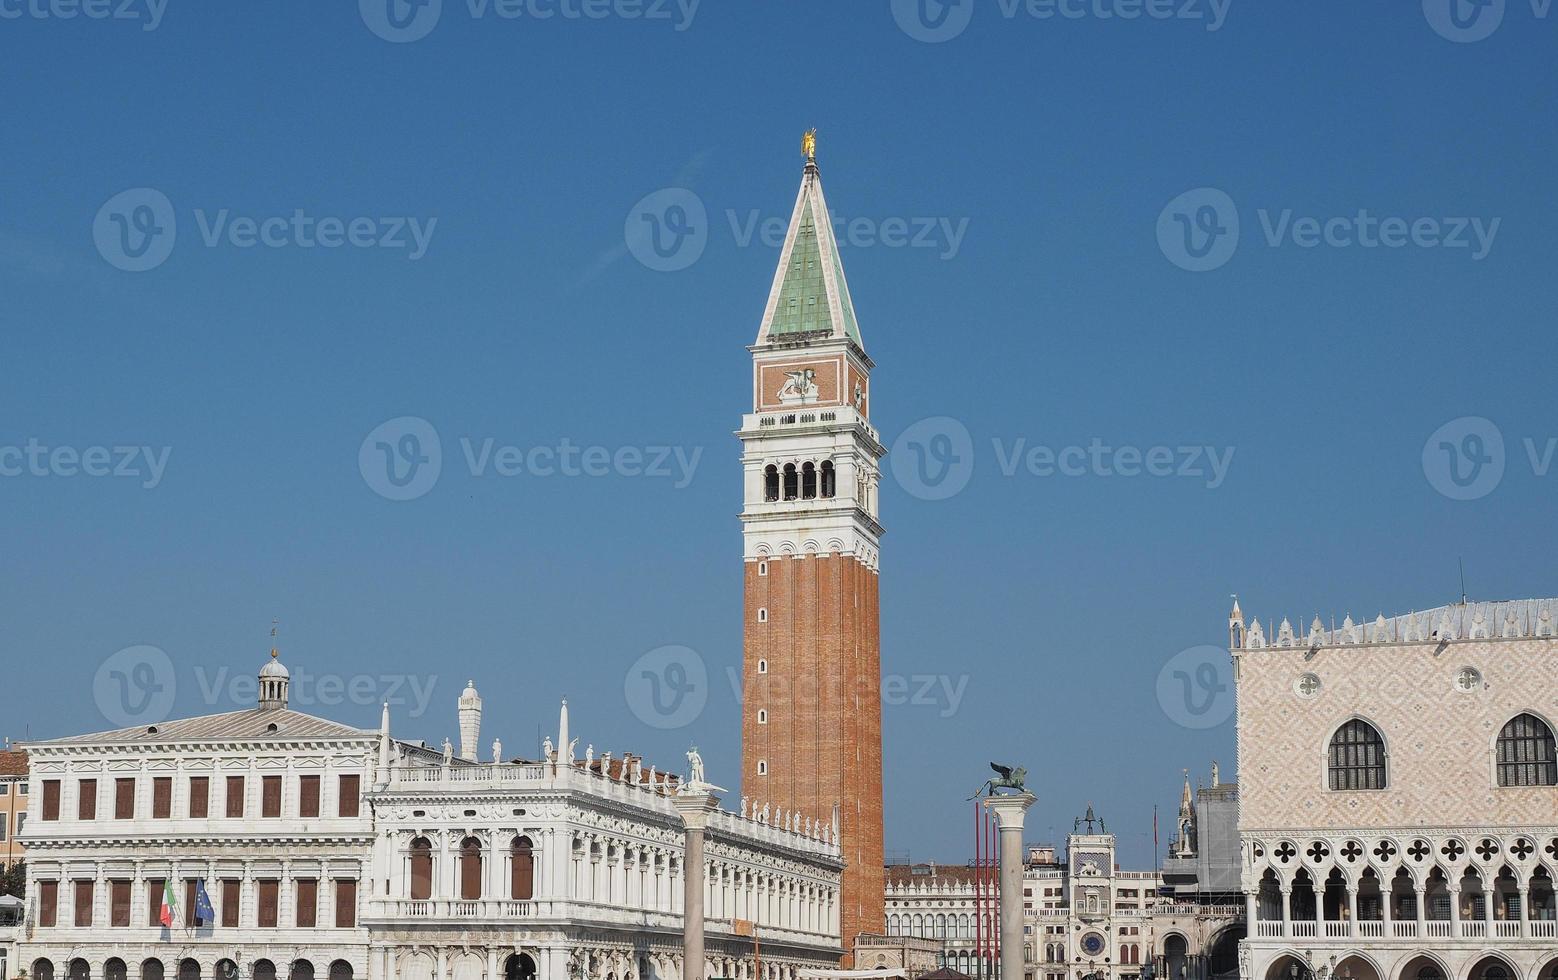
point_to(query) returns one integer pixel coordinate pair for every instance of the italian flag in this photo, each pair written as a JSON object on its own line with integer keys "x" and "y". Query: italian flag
{"x": 168, "y": 905}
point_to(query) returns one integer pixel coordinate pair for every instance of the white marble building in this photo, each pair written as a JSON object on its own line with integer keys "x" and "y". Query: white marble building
{"x": 330, "y": 853}
{"x": 1398, "y": 807}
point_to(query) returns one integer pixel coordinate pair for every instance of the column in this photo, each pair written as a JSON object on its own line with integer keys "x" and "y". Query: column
{"x": 1287, "y": 909}
{"x": 1525, "y": 913}
{"x": 1488, "y": 896}
{"x": 1010, "y": 811}
{"x": 1251, "y": 910}
{"x": 695, "y": 808}
{"x": 1455, "y": 909}
{"x": 1422, "y": 910}
{"x": 1387, "y": 896}
{"x": 1352, "y": 908}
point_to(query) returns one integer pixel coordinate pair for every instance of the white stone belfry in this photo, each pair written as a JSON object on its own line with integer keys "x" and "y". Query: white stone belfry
{"x": 470, "y": 721}
{"x": 274, "y": 679}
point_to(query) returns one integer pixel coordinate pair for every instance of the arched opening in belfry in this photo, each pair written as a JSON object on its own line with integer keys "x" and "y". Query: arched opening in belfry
{"x": 770, "y": 482}
{"x": 792, "y": 485}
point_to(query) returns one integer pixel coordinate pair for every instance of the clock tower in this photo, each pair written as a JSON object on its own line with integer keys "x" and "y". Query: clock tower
{"x": 812, "y": 708}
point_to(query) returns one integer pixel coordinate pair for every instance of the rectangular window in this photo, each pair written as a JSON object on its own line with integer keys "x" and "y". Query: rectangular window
{"x": 162, "y": 797}
{"x": 154, "y": 887}
{"x": 351, "y": 790}
{"x": 199, "y": 796}
{"x": 83, "y": 903}
{"x": 345, "y": 903}
{"x": 235, "y": 796}
{"x": 308, "y": 796}
{"x": 48, "y": 902}
{"x": 51, "y": 799}
{"x": 119, "y": 904}
{"x": 190, "y": 919}
{"x": 124, "y": 799}
{"x": 86, "y": 799}
{"x": 231, "y": 890}
{"x": 308, "y": 903}
{"x": 4, "y": 826}
{"x": 270, "y": 796}
{"x": 270, "y": 891}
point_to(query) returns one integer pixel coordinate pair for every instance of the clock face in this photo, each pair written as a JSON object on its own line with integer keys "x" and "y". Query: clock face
{"x": 1092, "y": 944}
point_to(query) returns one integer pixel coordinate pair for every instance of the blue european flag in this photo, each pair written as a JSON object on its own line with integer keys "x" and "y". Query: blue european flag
{"x": 204, "y": 913}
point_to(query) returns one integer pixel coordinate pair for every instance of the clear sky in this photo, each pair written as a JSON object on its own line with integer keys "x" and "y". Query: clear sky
{"x": 1388, "y": 168}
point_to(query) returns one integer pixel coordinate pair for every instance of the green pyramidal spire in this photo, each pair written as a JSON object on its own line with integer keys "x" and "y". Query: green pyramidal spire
{"x": 810, "y": 297}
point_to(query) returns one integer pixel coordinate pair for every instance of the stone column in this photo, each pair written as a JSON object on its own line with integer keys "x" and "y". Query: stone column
{"x": 1010, "y": 812}
{"x": 1422, "y": 910}
{"x": 1525, "y": 911}
{"x": 1287, "y": 911}
{"x": 695, "y": 809}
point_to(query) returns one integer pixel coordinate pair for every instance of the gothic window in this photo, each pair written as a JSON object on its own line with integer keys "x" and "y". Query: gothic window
{"x": 523, "y": 874}
{"x": 771, "y": 482}
{"x": 791, "y": 482}
{"x": 421, "y": 869}
{"x": 829, "y": 480}
{"x": 470, "y": 869}
{"x": 1526, "y": 754}
{"x": 1357, "y": 759}
{"x": 808, "y": 481}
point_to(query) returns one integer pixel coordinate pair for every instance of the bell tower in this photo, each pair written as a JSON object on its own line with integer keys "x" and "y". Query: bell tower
{"x": 812, "y": 711}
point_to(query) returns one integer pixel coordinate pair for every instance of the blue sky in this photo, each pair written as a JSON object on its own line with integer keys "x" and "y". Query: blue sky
{"x": 1053, "y": 146}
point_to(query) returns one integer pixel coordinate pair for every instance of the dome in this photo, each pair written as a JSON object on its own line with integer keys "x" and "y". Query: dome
{"x": 274, "y": 668}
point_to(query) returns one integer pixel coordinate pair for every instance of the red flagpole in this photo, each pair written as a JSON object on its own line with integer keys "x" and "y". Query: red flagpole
{"x": 979, "y": 909}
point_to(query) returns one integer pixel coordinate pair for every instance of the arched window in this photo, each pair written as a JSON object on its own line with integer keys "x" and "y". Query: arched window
{"x": 115, "y": 969}
{"x": 1525, "y": 753}
{"x": 808, "y": 481}
{"x": 421, "y": 868}
{"x": 79, "y": 969}
{"x": 189, "y": 969}
{"x": 470, "y": 869}
{"x": 829, "y": 480}
{"x": 1357, "y": 757}
{"x": 791, "y": 482}
{"x": 42, "y": 970}
{"x": 522, "y": 876}
{"x": 340, "y": 970}
{"x": 301, "y": 970}
{"x": 225, "y": 970}
{"x": 150, "y": 970}
{"x": 770, "y": 482}
{"x": 264, "y": 970}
